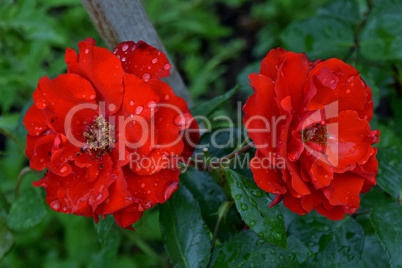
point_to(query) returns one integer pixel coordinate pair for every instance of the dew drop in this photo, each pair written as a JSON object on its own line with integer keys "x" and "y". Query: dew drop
{"x": 348, "y": 91}
{"x": 64, "y": 169}
{"x": 238, "y": 196}
{"x": 123, "y": 59}
{"x": 92, "y": 97}
{"x": 243, "y": 206}
{"x": 142, "y": 185}
{"x": 167, "y": 97}
{"x": 86, "y": 51}
{"x": 182, "y": 120}
{"x": 55, "y": 205}
{"x": 99, "y": 197}
{"x": 131, "y": 103}
{"x": 151, "y": 104}
{"x": 167, "y": 66}
{"x": 146, "y": 77}
{"x": 124, "y": 47}
{"x": 155, "y": 60}
{"x": 139, "y": 109}
{"x": 112, "y": 107}
{"x": 252, "y": 223}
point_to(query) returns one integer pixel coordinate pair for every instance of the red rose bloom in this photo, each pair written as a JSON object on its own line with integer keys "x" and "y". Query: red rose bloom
{"x": 109, "y": 132}
{"x": 310, "y": 124}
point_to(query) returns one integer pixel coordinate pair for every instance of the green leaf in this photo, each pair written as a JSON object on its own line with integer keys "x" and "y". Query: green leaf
{"x": 373, "y": 255}
{"x": 390, "y": 171}
{"x": 184, "y": 232}
{"x": 6, "y": 237}
{"x": 252, "y": 204}
{"x": 109, "y": 239}
{"x": 387, "y": 224}
{"x": 246, "y": 249}
{"x": 381, "y": 37}
{"x": 210, "y": 197}
{"x": 319, "y": 37}
{"x": 208, "y": 107}
{"x": 345, "y": 10}
{"x": 27, "y": 212}
{"x": 337, "y": 242}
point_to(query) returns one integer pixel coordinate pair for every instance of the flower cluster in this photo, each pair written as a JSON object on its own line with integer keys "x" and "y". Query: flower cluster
{"x": 85, "y": 126}
{"x": 110, "y": 133}
{"x": 323, "y": 109}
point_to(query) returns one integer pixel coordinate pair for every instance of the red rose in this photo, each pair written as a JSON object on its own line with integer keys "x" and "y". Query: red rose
{"x": 310, "y": 124}
{"x": 109, "y": 132}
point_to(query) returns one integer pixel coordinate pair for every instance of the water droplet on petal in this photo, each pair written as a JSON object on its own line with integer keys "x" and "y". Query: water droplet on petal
{"x": 131, "y": 103}
{"x": 146, "y": 77}
{"x": 348, "y": 91}
{"x": 123, "y": 59}
{"x": 55, "y": 205}
{"x": 333, "y": 83}
{"x": 92, "y": 97}
{"x": 112, "y": 107}
{"x": 155, "y": 60}
{"x": 64, "y": 169}
{"x": 86, "y": 51}
{"x": 124, "y": 47}
{"x": 99, "y": 197}
{"x": 151, "y": 104}
{"x": 182, "y": 120}
{"x": 142, "y": 185}
{"x": 139, "y": 109}
{"x": 167, "y": 97}
{"x": 167, "y": 66}
{"x": 140, "y": 208}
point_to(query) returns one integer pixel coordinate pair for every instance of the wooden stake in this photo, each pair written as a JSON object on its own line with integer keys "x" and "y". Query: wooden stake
{"x": 123, "y": 20}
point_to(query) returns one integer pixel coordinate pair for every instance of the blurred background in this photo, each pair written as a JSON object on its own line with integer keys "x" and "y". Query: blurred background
{"x": 215, "y": 45}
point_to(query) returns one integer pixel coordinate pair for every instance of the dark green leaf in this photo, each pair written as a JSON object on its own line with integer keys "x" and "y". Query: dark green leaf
{"x": 210, "y": 197}
{"x": 387, "y": 224}
{"x": 208, "y": 107}
{"x": 344, "y": 10}
{"x": 6, "y": 237}
{"x": 246, "y": 249}
{"x": 109, "y": 239}
{"x": 373, "y": 255}
{"x": 319, "y": 37}
{"x": 381, "y": 37}
{"x": 390, "y": 171}
{"x": 28, "y": 211}
{"x": 184, "y": 232}
{"x": 252, "y": 204}
{"x": 339, "y": 243}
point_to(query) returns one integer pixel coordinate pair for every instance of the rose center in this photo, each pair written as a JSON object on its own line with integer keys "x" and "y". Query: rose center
{"x": 317, "y": 134}
{"x": 99, "y": 136}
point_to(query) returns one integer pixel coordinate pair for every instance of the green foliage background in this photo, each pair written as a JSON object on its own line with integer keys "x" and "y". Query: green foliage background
{"x": 215, "y": 45}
